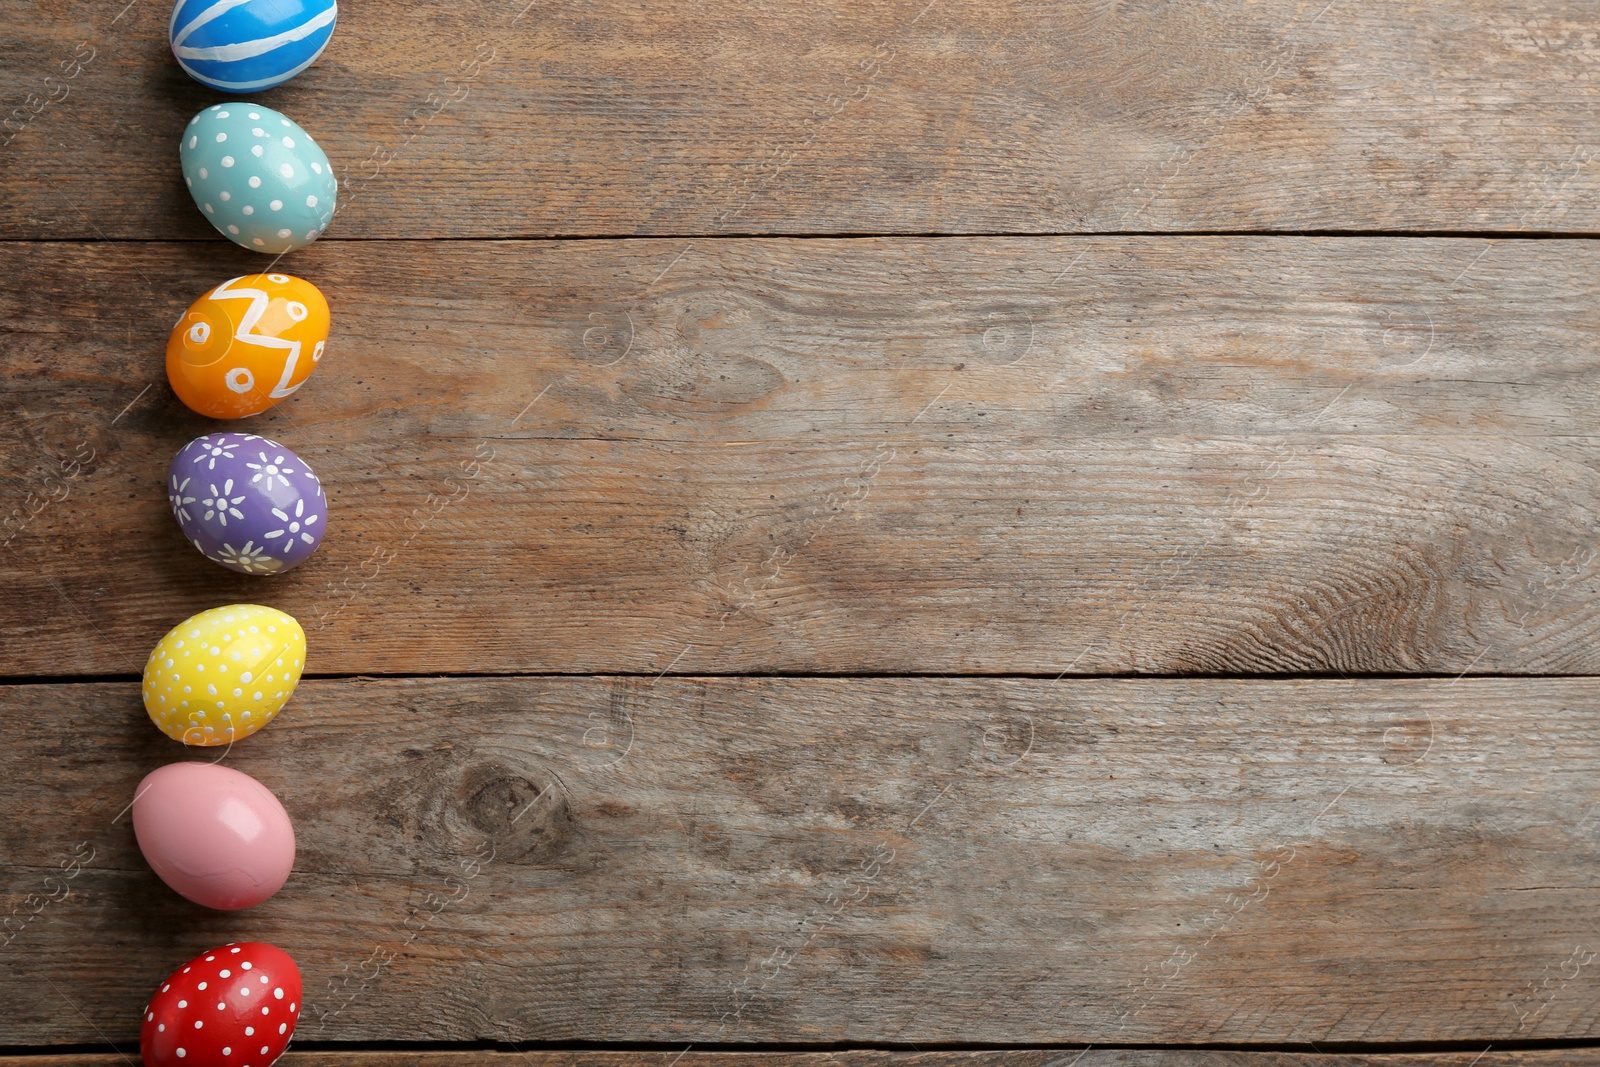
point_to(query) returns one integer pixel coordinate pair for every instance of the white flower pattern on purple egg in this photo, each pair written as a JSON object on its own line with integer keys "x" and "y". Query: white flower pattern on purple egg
{"x": 265, "y": 512}
{"x": 250, "y": 559}
{"x": 299, "y": 525}
{"x": 209, "y": 452}
{"x": 269, "y": 469}
{"x": 222, "y": 505}
{"x": 178, "y": 500}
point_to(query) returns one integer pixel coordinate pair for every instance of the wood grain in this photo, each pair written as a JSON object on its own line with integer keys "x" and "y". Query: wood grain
{"x": 1093, "y": 1057}
{"x": 715, "y": 860}
{"x": 877, "y": 455}
{"x": 511, "y": 118}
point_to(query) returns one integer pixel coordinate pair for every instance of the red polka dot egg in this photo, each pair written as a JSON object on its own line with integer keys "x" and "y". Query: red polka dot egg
{"x": 235, "y": 1006}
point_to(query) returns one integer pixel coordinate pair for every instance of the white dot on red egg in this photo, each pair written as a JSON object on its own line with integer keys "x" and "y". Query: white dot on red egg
{"x": 226, "y": 1051}
{"x": 183, "y": 1003}
{"x": 292, "y": 1006}
{"x": 263, "y": 1010}
{"x": 167, "y": 987}
{"x": 224, "y": 973}
{"x": 278, "y": 993}
{"x": 198, "y": 1024}
{"x": 208, "y": 960}
{"x": 283, "y": 1028}
{"x": 244, "y": 991}
{"x": 235, "y": 950}
{"x": 161, "y": 1028}
{"x": 150, "y": 1018}
{"x": 182, "y": 1053}
{"x": 221, "y": 1005}
{"x": 249, "y": 1030}
{"x": 202, "y": 985}
{"x": 246, "y": 965}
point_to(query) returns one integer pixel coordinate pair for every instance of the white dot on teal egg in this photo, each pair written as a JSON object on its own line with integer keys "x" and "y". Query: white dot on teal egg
{"x": 283, "y": 233}
{"x": 222, "y": 115}
{"x": 227, "y": 161}
{"x": 286, "y": 170}
{"x": 189, "y": 182}
{"x": 225, "y": 195}
{"x": 214, "y": 107}
{"x": 194, "y": 120}
{"x": 286, "y": 122}
{"x": 210, "y": 210}
{"x": 259, "y": 132}
{"x": 317, "y": 167}
{"x": 233, "y": 229}
{"x": 288, "y": 142}
{"x": 255, "y": 182}
{"x": 257, "y": 241}
{"x": 193, "y": 140}
{"x": 203, "y": 174}
{"x": 221, "y": 136}
{"x": 248, "y": 210}
{"x": 255, "y": 114}
{"x": 255, "y": 150}
{"x": 311, "y": 201}
{"x": 276, "y": 205}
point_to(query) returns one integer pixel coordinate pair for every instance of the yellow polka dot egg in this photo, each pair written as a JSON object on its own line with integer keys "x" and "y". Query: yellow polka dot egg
{"x": 223, "y": 674}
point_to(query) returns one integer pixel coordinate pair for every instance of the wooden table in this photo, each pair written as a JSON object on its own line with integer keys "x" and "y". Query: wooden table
{"x": 864, "y": 534}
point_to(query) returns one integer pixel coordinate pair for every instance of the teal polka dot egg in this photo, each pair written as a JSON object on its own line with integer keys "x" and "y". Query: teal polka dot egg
{"x": 256, "y": 176}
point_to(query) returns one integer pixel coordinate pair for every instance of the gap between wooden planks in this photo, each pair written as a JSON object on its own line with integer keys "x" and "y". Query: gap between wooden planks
{"x": 1093, "y": 1057}
{"x": 988, "y": 455}
{"x": 718, "y": 861}
{"x": 507, "y": 118}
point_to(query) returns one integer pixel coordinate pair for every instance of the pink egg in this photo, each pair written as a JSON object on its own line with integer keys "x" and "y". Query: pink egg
{"x": 214, "y": 834}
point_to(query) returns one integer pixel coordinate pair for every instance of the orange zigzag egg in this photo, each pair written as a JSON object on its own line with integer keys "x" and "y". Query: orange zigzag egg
{"x": 247, "y": 344}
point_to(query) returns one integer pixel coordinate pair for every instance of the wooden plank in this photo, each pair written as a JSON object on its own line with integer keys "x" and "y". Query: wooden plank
{"x": 850, "y": 860}
{"x": 882, "y": 455}
{"x": 1093, "y": 1057}
{"x": 860, "y": 116}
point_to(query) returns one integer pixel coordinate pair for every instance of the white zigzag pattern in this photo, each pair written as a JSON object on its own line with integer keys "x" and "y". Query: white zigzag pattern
{"x": 246, "y": 331}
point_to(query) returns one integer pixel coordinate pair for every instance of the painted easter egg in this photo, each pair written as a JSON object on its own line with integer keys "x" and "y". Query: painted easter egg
{"x": 219, "y": 676}
{"x": 249, "y": 45}
{"x": 247, "y": 344}
{"x": 235, "y": 1006}
{"x": 213, "y": 834}
{"x": 260, "y": 179}
{"x": 247, "y": 503}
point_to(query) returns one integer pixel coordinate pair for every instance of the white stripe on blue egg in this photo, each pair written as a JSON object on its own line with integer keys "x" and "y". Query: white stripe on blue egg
{"x": 248, "y": 45}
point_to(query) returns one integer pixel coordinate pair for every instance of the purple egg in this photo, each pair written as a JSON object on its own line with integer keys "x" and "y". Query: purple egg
{"x": 247, "y": 503}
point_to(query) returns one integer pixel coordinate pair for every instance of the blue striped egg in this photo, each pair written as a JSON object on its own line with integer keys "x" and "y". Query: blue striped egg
{"x": 243, "y": 46}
